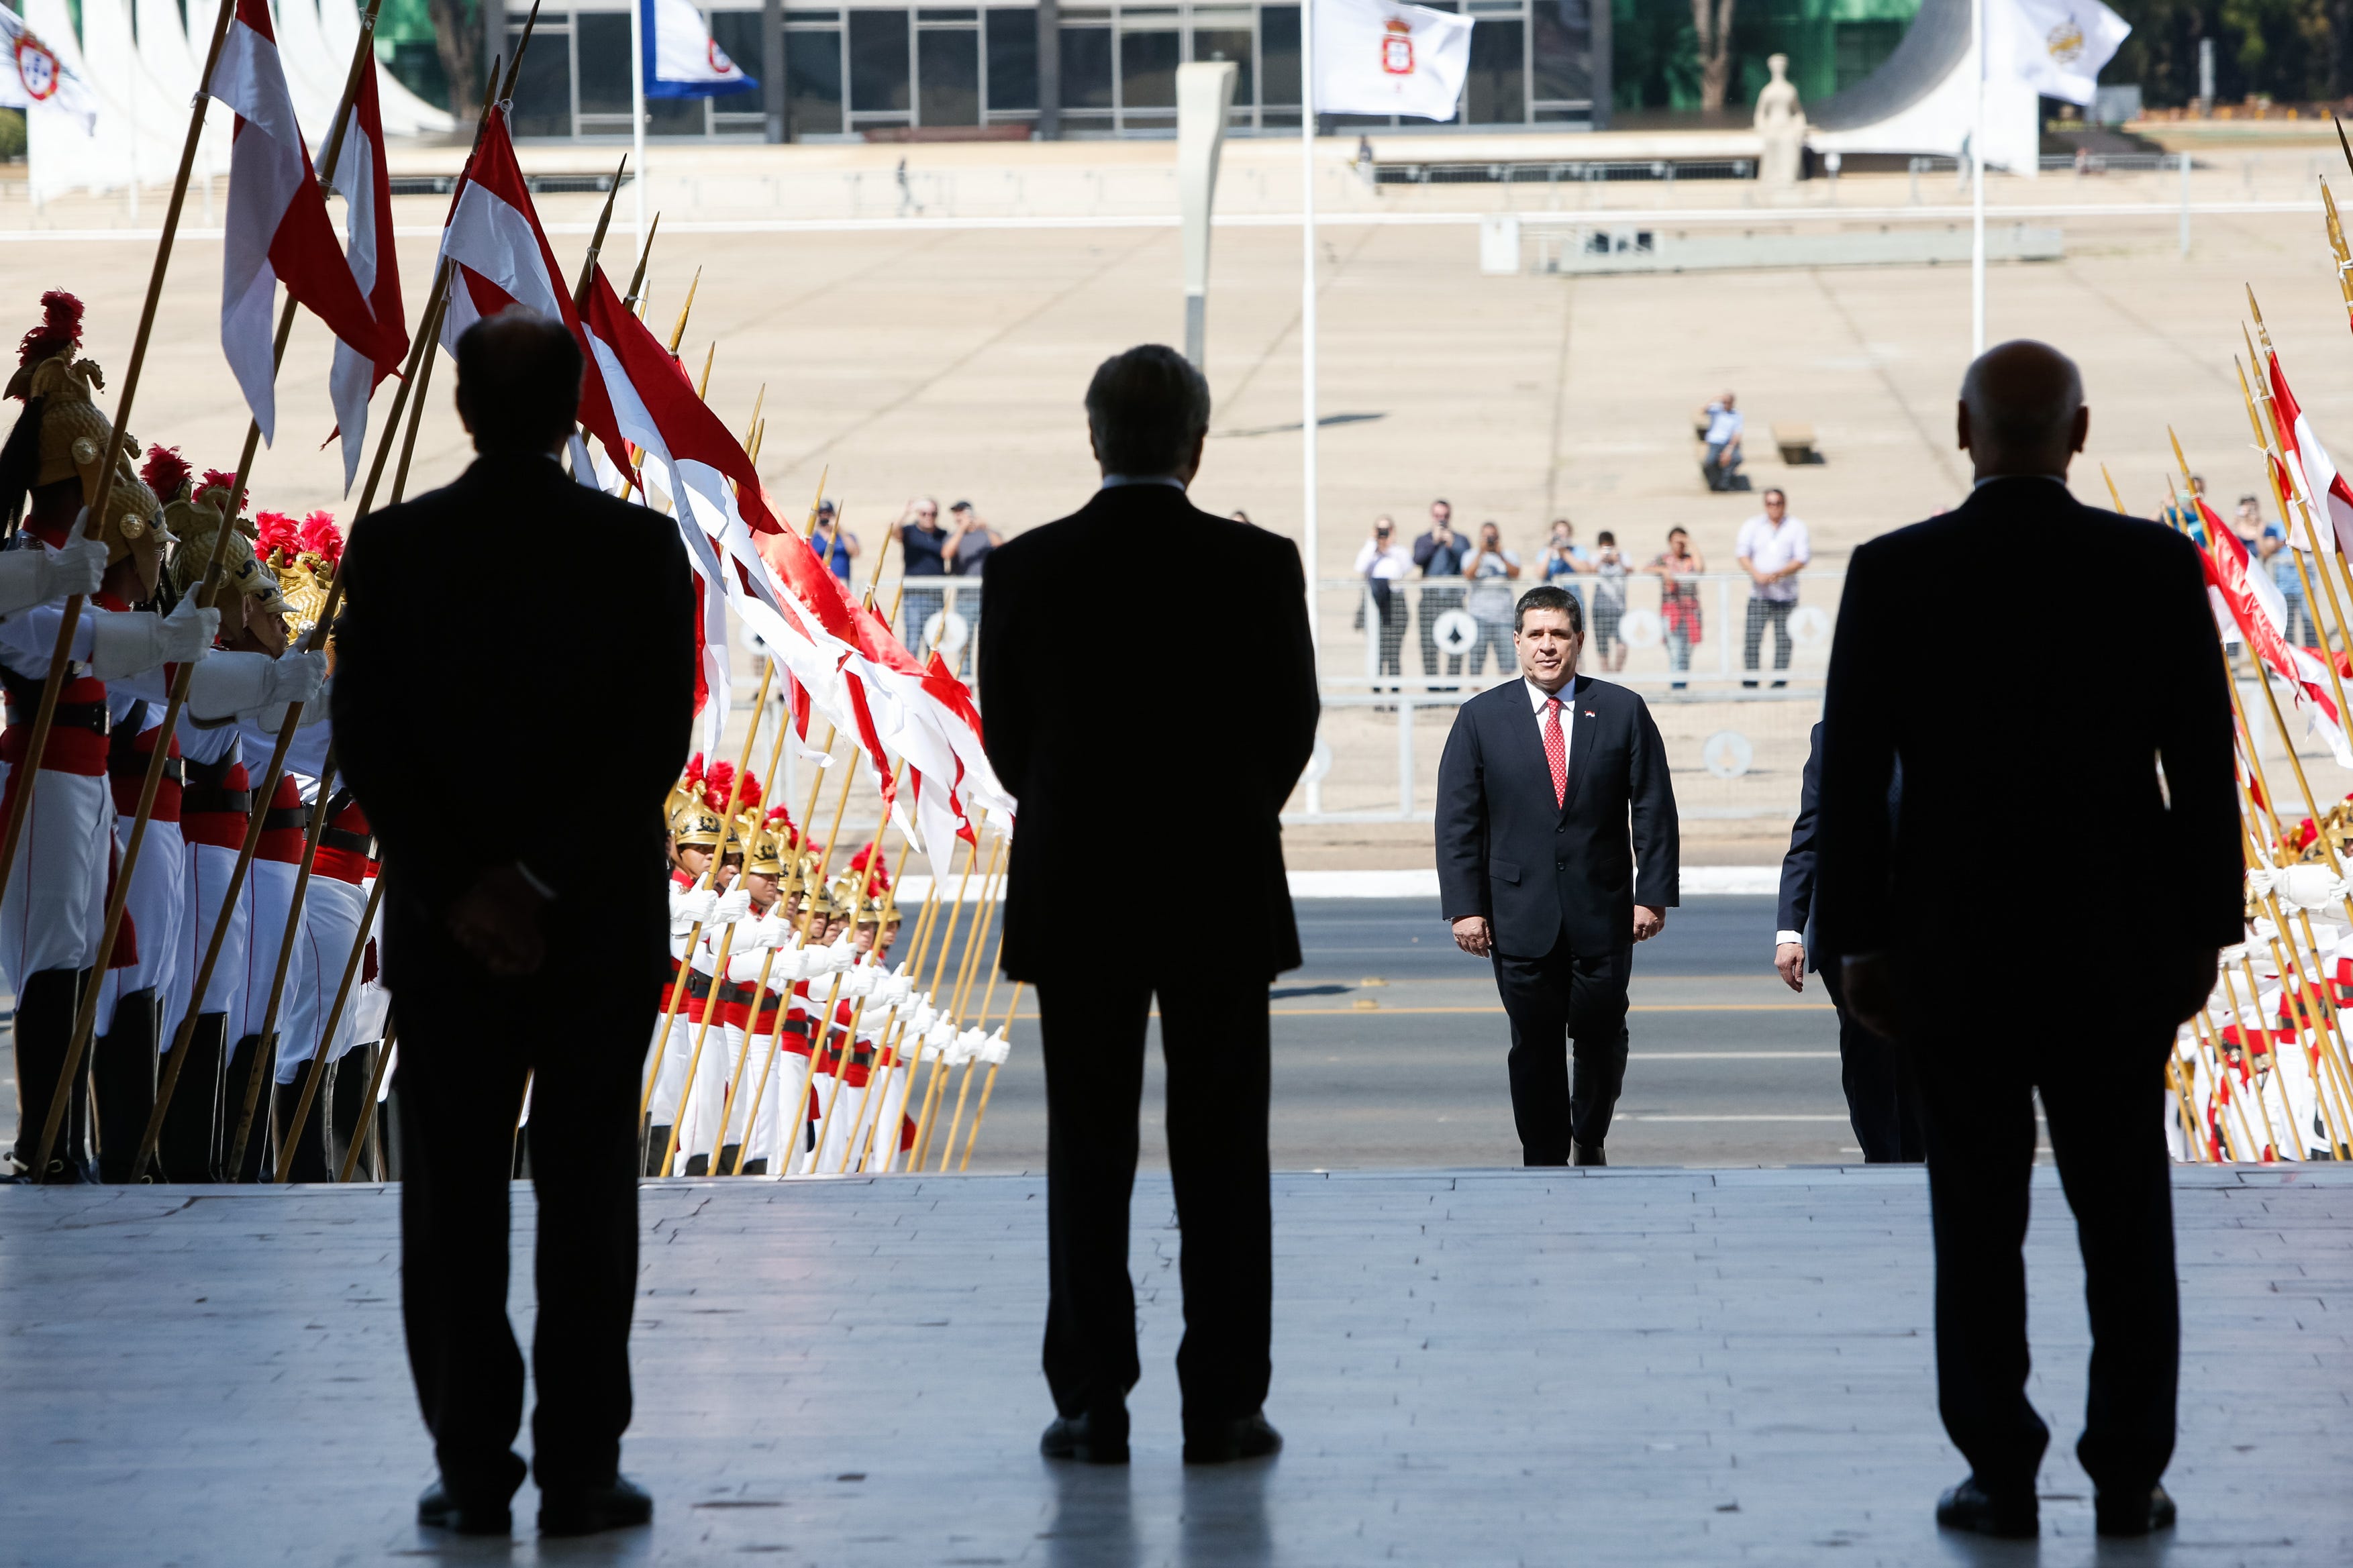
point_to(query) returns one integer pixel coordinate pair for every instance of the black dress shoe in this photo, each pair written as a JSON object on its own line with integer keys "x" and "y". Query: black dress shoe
{"x": 1222, "y": 1442}
{"x": 614, "y": 1507}
{"x": 753, "y": 1168}
{"x": 2134, "y": 1515}
{"x": 436, "y": 1509}
{"x": 1587, "y": 1154}
{"x": 2010, "y": 1515}
{"x": 1087, "y": 1438}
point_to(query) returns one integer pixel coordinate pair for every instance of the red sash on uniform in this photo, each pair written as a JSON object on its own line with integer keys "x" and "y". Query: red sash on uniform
{"x": 222, "y": 829}
{"x": 340, "y": 860}
{"x": 129, "y": 775}
{"x": 286, "y": 826}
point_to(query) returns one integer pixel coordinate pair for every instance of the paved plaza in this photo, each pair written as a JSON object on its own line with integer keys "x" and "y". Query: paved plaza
{"x": 1663, "y": 1367}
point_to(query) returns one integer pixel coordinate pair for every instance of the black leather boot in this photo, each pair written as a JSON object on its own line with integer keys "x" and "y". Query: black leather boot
{"x": 259, "y": 1153}
{"x": 310, "y": 1140}
{"x": 44, "y": 1016}
{"x": 347, "y": 1087}
{"x": 123, "y": 1069}
{"x": 187, "y": 1148}
{"x": 657, "y": 1145}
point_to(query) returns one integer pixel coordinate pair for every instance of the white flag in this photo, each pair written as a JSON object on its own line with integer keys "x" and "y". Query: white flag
{"x": 32, "y": 76}
{"x": 1375, "y": 56}
{"x": 2057, "y": 46}
{"x": 682, "y": 59}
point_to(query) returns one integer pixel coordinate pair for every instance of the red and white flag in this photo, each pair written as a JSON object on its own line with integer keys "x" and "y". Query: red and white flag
{"x": 277, "y": 229}
{"x": 2316, "y": 480}
{"x": 502, "y": 256}
{"x": 361, "y": 180}
{"x": 2248, "y": 599}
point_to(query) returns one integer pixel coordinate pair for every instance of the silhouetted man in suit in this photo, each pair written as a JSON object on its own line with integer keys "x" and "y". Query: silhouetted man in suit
{"x": 500, "y": 966}
{"x": 1172, "y": 749}
{"x": 1882, "y": 1103}
{"x": 1991, "y": 770}
{"x": 1558, "y": 851}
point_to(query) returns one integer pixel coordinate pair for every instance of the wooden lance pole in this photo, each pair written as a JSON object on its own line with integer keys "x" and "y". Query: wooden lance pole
{"x": 367, "y": 1109}
{"x": 990, "y": 890}
{"x": 964, "y": 969}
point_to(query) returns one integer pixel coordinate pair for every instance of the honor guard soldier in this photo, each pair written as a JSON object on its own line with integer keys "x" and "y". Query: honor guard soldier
{"x": 54, "y": 906}
{"x": 698, "y": 833}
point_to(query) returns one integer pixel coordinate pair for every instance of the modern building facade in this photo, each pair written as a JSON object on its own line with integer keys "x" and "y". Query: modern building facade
{"x": 883, "y": 70}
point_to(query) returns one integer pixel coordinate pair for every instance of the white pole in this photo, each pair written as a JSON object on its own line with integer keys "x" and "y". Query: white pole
{"x": 638, "y": 115}
{"x": 1977, "y": 200}
{"x": 2182, "y": 158}
{"x": 1307, "y": 297}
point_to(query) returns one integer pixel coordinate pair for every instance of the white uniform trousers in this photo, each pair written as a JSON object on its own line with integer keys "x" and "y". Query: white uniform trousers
{"x": 330, "y": 923}
{"x": 157, "y": 905}
{"x": 209, "y": 866}
{"x": 786, "y": 1078}
{"x": 270, "y": 893}
{"x": 880, "y": 1150}
{"x": 848, "y": 1102}
{"x": 55, "y": 907}
{"x": 698, "y": 1130}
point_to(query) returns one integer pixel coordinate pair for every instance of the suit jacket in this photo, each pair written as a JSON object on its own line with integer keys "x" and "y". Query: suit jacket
{"x": 1537, "y": 868}
{"x": 1797, "y": 902}
{"x": 514, "y": 678}
{"x": 2026, "y": 744}
{"x": 1144, "y": 727}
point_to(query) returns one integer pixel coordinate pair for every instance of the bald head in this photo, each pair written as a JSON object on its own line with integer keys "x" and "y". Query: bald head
{"x": 2022, "y": 410}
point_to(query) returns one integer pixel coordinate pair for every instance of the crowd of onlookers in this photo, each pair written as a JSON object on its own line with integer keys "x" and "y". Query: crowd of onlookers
{"x": 1476, "y": 572}
{"x": 929, "y": 547}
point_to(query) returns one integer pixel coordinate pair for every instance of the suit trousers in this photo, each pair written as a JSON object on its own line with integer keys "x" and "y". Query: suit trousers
{"x": 2100, "y": 1099}
{"x": 1883, "y": 1102}
{"x": 1552, "y": 1000}
{"x": 466, "y": 1041}
{"x": 1213, "y": 1036}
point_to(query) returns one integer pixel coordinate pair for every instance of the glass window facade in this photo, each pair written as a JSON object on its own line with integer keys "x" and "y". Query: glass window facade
{"x": 869, "y": 66}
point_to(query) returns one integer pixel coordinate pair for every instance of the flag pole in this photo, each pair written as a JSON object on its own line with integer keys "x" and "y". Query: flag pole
{"x": 734, "y": 1081}
{"x": 988, "y": 1085}
{"x": 291, "y": 1133}
{"x": 1307, "y": 302}
{"x": 637, "y": 116}
{"x": 1976, "y": 196}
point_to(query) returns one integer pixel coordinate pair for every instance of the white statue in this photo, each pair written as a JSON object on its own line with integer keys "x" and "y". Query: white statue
{"x": 1781, "y": 125}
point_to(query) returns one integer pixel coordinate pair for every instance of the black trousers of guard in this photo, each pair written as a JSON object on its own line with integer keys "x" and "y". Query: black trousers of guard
{"x": 2099, "y": 1100}
{"x": 1883, "y": 1102}
{"x": 1213, "y": 1036}
{"x": 1562, "y": 996}
{"x": 466, "y": 1042}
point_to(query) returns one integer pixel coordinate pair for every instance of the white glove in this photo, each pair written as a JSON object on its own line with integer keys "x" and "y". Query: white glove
{"x": 920, "y": 1023}
{"x": 689, "y": 907}
{"x": 861, "y": 980}
{"x": 30, "y": 576}
{"x": 838, "y": 956}
{"x": 966, "y": 1046}
{"x": 763, "y": 932}
{"x": 995, "y": 1050}
{"x": 941, "y": 1034}
{"x": 296, "y": 678}
{"x": 129, "y": 643}
{"x": 730, "y": 906}
{"x": 896, "y": 990}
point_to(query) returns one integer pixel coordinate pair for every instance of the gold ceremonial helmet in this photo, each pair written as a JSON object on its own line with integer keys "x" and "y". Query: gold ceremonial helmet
{"x": 695, "y": 822}
{"x": 195, "y": 523}
{"x": 302, "y": 557}
{"x": 818, "y": 902}
{"x": 771, "y": 841}
{"x": 74, "y": 438}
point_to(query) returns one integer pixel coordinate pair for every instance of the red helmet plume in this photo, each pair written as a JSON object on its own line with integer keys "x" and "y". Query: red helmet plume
{"x": 222, "y": 479}
{"x": 276, "y": 535}
{"x": 716, "y": 784}
{"x": 164, "y": 471}
{"x": 59, "y": 331}
{"x": 320, "y": 537}
{"x": 749, "y": 797}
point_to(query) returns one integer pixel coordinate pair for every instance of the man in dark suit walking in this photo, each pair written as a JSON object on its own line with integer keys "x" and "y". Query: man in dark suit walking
{"x": 503, "y": 965}
{"x": 1992, "y": 769}
{"x": 1882, "y": 1103}
{"x": 1558, "y": 848}
{"x": 1183, "y": 783}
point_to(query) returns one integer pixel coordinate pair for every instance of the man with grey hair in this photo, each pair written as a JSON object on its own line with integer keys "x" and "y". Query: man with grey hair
{"x": 1992, "y": 769}
{"x": 1111, "y": 756}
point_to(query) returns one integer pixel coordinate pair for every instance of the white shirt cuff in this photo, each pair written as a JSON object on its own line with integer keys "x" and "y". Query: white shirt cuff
{"x": 1798, "y": 937}
{"x": 542, "y": 888}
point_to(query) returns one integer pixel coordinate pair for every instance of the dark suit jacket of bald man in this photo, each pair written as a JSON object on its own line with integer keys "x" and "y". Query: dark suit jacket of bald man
{"x": 2124, "y": 754}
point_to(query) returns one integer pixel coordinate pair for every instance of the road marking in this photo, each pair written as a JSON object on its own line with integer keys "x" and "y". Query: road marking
{"x": 1735, "y": 1056}
{"x": 1625, "y": 1118}
{"x": 1637, "y": 1007}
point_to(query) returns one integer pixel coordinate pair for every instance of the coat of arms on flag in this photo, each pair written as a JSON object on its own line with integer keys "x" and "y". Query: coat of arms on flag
{"x": 1397, "y": 47}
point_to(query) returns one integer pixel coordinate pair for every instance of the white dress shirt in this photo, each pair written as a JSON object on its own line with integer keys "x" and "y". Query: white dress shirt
{"x": 1769, "y": 547}
{"x": 1119, "y": 481}
{"x": 1538, "y": 697}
